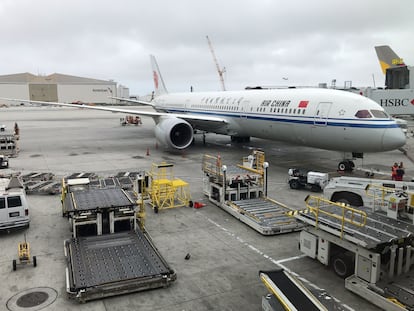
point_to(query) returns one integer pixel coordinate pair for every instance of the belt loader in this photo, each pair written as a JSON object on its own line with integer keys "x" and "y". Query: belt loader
{"x": 371, "y": 251}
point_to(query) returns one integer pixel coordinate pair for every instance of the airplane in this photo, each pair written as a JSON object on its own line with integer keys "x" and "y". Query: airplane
{"x": 388, "y": 58}
{"x": 397, "y": 97}
{"x": 314, "y": 117}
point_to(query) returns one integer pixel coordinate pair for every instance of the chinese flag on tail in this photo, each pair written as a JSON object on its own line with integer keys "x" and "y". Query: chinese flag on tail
{"x": 303, "y": 103}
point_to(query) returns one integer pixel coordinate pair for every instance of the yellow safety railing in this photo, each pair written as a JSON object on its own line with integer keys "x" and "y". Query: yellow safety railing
{"x": 323, "y": 207}
{"x": 379, "y": 193}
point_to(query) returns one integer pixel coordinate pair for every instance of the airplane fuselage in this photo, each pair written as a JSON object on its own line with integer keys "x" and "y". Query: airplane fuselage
{"x": 321, "y": 118}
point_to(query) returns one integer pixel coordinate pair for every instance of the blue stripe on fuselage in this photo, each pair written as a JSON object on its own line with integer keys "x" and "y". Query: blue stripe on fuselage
{"x": 309, "y": 120}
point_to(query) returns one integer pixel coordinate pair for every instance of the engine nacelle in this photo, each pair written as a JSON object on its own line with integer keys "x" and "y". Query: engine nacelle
{"x": 174, "y": 132}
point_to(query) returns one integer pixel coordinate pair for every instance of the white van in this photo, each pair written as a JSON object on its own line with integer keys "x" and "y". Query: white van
{"x": 14, "y": 210}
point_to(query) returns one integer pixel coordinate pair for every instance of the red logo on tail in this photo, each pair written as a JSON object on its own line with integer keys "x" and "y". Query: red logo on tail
{"x": 155, "y": 79}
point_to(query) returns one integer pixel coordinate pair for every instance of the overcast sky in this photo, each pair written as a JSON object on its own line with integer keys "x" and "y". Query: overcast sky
{"x": 260, "y": 42}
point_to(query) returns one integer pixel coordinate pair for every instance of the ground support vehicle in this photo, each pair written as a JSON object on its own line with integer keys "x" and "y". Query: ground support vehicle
{"x": 370, "y": 250}
{"x": 130, "y": 120}
{"x": 8, "y": 144}
{"x": 14, "y": 209}
{"x": 355, "y": 191}
{"x": 288, "y": 293}
{"x": 23, "y": 251}
{"x": 4, "y": 161}
{"x": 242, "y": 192}
{"x": 109, "y": 254}
{"x": 315, "y": 181}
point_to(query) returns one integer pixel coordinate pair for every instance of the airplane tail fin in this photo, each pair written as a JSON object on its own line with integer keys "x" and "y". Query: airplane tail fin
{"x": 388, "y": 58}
{"x": 158, "y": 81}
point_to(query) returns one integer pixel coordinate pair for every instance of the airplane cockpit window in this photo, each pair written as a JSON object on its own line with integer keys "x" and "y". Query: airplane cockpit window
{"x": 380, "y": 114}
{"x": 363, "y": 114}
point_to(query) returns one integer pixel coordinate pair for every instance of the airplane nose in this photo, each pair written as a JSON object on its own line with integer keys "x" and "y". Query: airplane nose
{"x": 393, "y": 138}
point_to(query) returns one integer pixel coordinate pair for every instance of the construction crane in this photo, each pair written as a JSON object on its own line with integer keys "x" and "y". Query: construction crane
{"x": 220, "y": 71}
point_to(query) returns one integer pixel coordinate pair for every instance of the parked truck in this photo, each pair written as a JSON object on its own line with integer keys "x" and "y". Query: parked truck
{"x": 315, "y": 181}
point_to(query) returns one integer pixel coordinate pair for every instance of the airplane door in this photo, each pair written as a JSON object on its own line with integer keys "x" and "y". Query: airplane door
{"x": 322, "y": 112}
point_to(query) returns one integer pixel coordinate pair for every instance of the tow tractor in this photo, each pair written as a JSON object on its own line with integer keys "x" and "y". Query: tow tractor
{"x": 315, "y": 181}
{"x": 23, "y": 250}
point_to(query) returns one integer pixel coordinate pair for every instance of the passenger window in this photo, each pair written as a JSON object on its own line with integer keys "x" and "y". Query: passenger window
{"x": 2, "y": 203}
{"x": 14, "y": 202}
{"x": 363, "y": 114}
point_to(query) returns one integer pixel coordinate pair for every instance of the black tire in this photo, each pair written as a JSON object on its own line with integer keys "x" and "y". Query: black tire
{"x": 190, "y": 204}
{"x": 343, "y": 166}
{"x": 14, "y": 265}
{"x": 347, "y": 198}
{"x": 34, "y": 261}
{"x": 315, "y": 188}
{"x": 343, "y": 265}
{"x": 156, "y": 209}
{"x": 294, "y": 184}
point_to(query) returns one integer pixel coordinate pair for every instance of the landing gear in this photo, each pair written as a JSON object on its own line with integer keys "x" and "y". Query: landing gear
{"x": 346, "y": 166}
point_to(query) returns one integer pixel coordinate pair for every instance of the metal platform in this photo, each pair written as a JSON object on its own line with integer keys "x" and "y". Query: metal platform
{"x": 113, "y": 264}
{"x": 266, "y": 216}
{"x": 378, "y": 228}
{"x": 95, "y": 199}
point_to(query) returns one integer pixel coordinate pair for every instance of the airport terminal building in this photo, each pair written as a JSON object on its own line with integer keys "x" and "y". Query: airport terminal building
{"x": 60, "y": 88}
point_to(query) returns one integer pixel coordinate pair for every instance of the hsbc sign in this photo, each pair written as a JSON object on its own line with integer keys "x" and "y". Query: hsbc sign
{"x": 395, "y": 102}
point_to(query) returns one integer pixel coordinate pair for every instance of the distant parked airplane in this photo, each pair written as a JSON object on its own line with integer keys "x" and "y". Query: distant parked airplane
{"x": 321, "y": 118}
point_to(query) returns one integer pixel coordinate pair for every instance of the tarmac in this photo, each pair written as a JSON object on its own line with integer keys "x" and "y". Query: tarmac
{"x": 226, "y": 255}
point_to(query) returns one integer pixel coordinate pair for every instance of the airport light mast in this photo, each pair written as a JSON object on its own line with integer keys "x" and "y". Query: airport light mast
{"x": 220, "y": 71}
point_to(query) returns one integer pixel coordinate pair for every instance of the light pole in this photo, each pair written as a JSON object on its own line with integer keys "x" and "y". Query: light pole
{"x": 224, "y": 169}
{"x": 265, "y": 167}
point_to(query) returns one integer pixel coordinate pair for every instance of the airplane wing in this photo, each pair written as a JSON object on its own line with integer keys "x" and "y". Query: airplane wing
{"x": 141, "y": 102}
{"x": 153, "y": 114}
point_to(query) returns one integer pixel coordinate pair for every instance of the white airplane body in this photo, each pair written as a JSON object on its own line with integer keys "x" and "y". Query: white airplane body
{"x": 321, "y": 118}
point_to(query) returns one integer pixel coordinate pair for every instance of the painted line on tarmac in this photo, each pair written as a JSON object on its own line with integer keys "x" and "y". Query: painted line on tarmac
{"x": 274, "y": 261}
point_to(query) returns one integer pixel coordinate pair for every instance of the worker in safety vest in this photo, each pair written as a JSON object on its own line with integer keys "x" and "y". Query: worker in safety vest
{"x": 394, "y": 171}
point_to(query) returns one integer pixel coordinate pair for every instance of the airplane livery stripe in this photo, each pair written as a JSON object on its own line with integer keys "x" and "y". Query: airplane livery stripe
{"x": 309, "y": 120}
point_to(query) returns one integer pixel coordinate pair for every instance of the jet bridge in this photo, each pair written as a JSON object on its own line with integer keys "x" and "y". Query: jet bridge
{"x": 241, "y": 190}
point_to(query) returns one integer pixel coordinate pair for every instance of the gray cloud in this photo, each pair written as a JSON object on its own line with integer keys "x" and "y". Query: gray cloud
{"x": 259, "y": 42}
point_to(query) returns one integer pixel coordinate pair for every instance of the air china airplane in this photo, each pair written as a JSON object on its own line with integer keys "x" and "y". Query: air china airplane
{"x": 321, "y": 118}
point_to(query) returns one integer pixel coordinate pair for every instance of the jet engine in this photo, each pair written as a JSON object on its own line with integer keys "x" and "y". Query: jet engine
{"x": 174, "y": 132}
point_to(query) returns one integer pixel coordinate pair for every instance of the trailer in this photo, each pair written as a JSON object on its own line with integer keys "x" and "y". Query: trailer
{"x": 242, "y": 192}
{"x": 371, "y": 251}
{"x": 109, "y": 253}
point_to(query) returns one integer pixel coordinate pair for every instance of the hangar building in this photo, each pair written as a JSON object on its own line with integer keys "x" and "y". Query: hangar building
{"x": 60, "y": 88}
